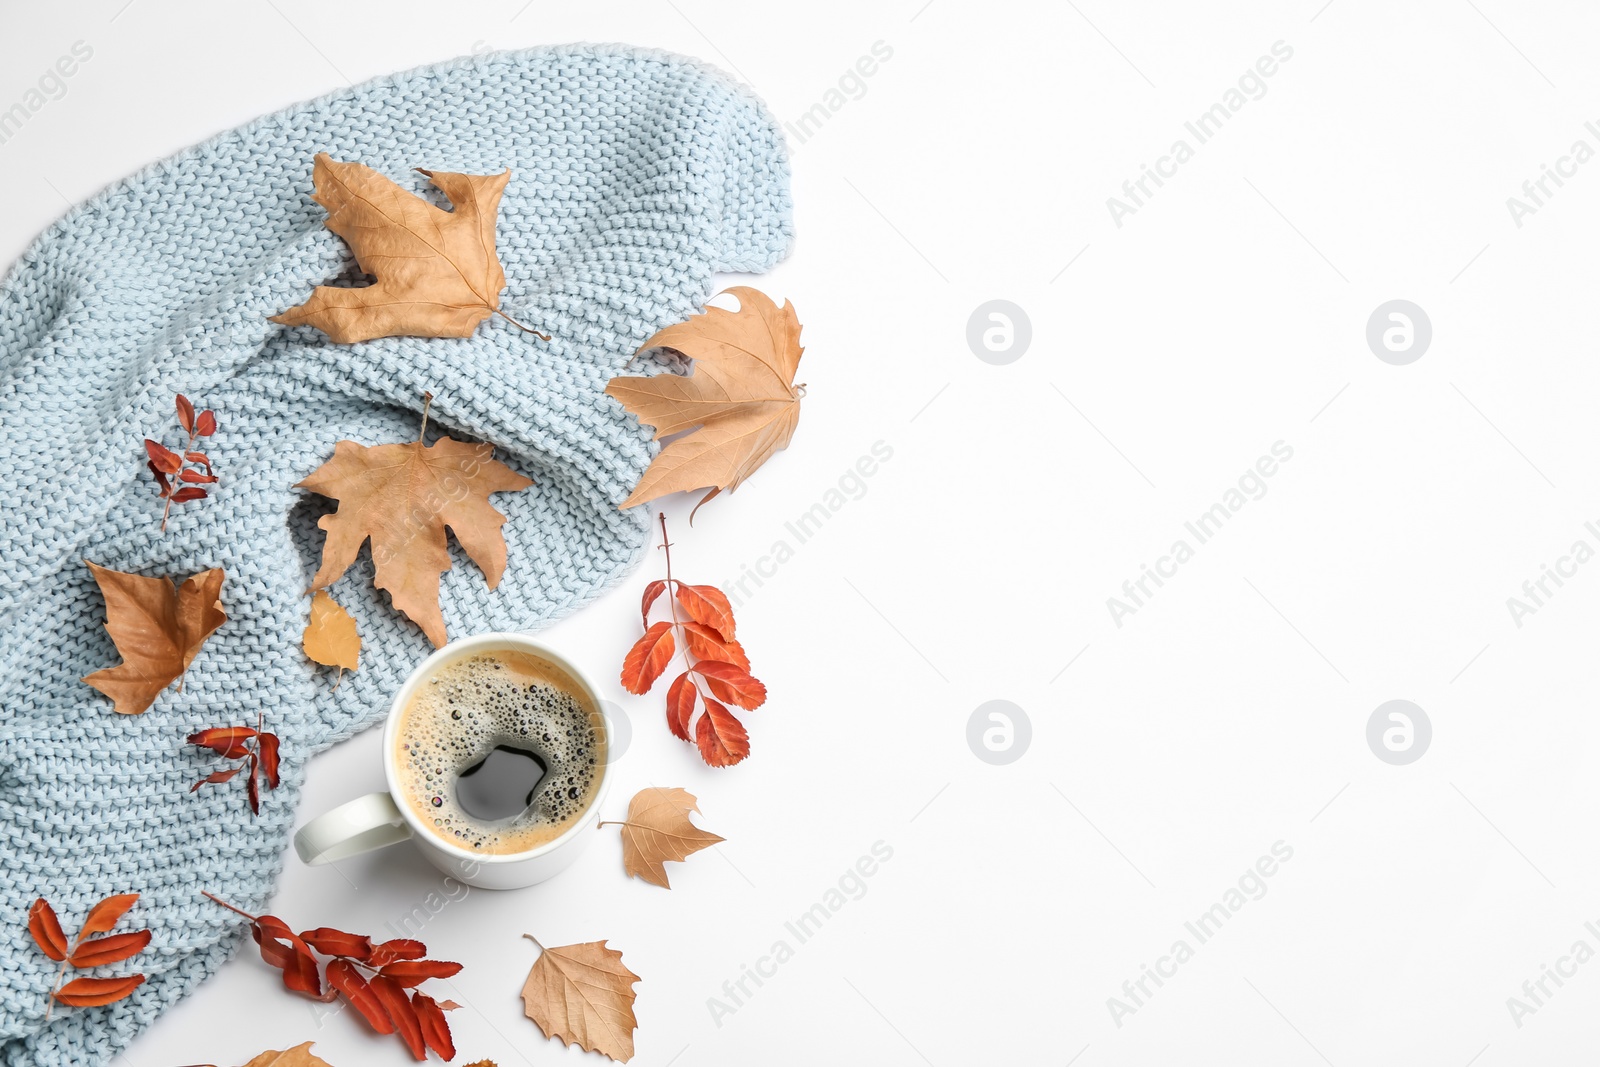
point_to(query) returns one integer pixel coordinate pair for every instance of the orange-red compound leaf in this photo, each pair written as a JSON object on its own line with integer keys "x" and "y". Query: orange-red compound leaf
{"x": 435, "y": 1027}
{"x": 401, "y": 948}
{"x": 226, "y": 741}
{"x": 92, "y": 992}
{"x": 651, "y": 591}
{"x": 706, "y": 643}
{"x": 647, "y": 658}
{"x": 46, "y": 930}
{"x": 681, "y": 698}
{"x": 104, "y": 915}
{"x": 99, "y": 951}
{"x": 732, "y": 684}
{"x": 331, "y": 942}
{"x": 398, "y": 1005}
{"x": 408, "y": 973}
{"x": 707, "y": 604}
{"x": 267, "y": 745}
{"x": 344, "y": 977}
{"x": 721, "y": 737}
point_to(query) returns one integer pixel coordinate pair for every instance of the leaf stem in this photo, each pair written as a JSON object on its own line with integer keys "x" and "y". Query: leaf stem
{"x": 230, "y": 907}
{"x": 542, "y": 336}
{"x": 535, "y": 940}
{"x": 427, "y": 402}
{"x": 677, "y": 624}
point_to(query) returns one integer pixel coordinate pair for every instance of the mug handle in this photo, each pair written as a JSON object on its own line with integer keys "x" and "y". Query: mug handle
{"x": 352, "y": 828}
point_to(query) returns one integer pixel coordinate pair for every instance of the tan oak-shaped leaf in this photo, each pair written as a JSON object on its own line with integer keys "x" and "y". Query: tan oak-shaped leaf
{"x": 740, "y": 401}
{"x": 403, "y": 496}
{"x": 331, "y": 638}
{"x": 157, "y": 628}
{"x": 437, "y": 272}
{"x": 583, "y": 995}
{"x": 299, "y": 1056}
{"x": 658, "y": 829}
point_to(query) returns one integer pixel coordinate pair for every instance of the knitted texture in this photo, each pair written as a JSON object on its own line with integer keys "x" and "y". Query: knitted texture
{"x": 635, "y": 176}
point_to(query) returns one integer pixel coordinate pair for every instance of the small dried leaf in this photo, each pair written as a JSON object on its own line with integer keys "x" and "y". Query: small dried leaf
{"x": 721, "y": 737}
{"x": 188, "y": 493}
{"x": 331, "y": 942}
{"x": 681, "y": 699}
{"x": 583, "y": 995}
{"x": 709, "y": 606}
{"x": 267, "y": 749}
{"x": 706, "y": 643}
{"x": 647, "y": 658}
{"x": 299, "y": 1056}
{"x": 114, "y": 948}
{"x": 651, "y": 592}
{"x": 732, "y": 684}
{"x": 46, "y": 930}
{"x": 343, "y": 976}
{"x": 399, "y": 1007}
{"x": 408, "y": 973}
{"x": 435, "y": 1027}
{"x": 92, "y": 992}
{"x": 228, "y": 741}
{"x": 215, "y": 778}
{"x": 104, "y": 915}
{"x": 185, "y": 413}
{"x": 162, "y": 458}
{"x": 657, "y": 830}
{"x": 330, "y": 637}
{"x": 282, "y": 948}
{"x": 192, "y": 476}
{"x": 206, "y": 424}
{"x": 401, "y": 948}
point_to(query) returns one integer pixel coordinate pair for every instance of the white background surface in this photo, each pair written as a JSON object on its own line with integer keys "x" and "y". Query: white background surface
{"x": 1168, "y": 754}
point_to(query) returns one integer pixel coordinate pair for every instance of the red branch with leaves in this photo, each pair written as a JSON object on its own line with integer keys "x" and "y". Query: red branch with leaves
{"x": 87, "y": 950}
{"x": 186, "y": 465}
{"x": 716, "y": 669}
{"x": 378, "y": 995}
{"x": 256, "y": 747}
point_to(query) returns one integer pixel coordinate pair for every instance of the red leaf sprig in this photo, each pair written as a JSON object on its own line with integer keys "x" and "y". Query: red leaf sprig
{"x": 257, "y": 748}
{"x": 88, "y": 950}
{"x": 717, "y": 671}
{"x": 372, "y": 978}
{"x": 179, "y": 473}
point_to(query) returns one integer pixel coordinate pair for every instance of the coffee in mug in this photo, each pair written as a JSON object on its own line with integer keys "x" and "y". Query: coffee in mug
{"x": 499, "y": 752}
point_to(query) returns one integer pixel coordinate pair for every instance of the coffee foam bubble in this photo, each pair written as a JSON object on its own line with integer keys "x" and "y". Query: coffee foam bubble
{"x": 466, "y": 707}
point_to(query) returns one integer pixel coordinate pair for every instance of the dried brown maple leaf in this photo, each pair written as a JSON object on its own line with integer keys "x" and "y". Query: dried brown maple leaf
{"x": 658, "y": 829}
{"x": 583, "y": 995}
{"x": 299, "y": 1056}
{"x": 157, "y": 628}
{"x": 740, "y": 403}
{"x": 437, "y": 272}
{"x": 331, "y": 638}
{"x": 403, "y": 496}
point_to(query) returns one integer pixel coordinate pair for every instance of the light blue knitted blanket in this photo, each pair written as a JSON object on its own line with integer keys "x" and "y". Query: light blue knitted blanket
{"x": 635, "y": 176}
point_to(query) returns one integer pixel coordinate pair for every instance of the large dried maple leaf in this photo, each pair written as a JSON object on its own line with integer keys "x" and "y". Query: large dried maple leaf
{"x": 299, "y": 1056}
{"x": 740, "y": 401}
{"x": 583, "y": 995}
{"x": 658, "y": 829}
{"x": 437, "y": 272}
{"x": 157, "y": 628}
{"x": 403, "y": 496}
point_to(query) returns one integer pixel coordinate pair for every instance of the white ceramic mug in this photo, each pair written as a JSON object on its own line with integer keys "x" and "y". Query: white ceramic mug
{"x": 379, "y": 819}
